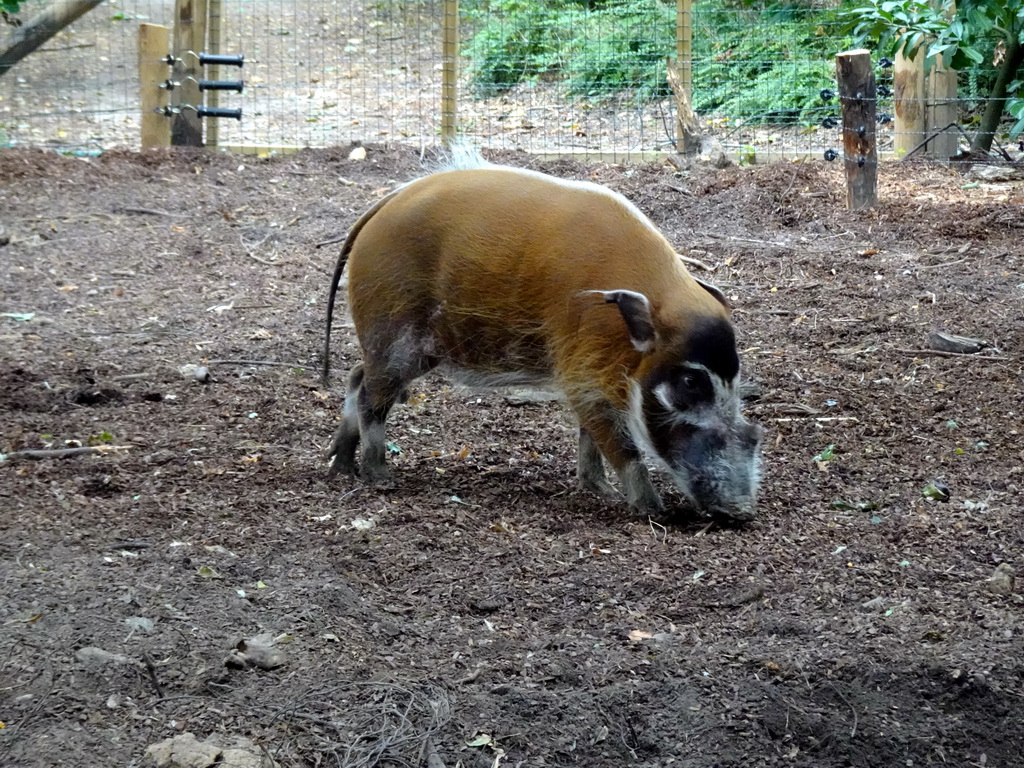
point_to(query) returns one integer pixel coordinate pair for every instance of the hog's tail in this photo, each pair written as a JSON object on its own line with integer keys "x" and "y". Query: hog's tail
{"x": 339, "y": 268}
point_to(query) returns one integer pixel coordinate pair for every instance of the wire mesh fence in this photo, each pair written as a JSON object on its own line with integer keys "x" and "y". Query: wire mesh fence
{"x": 569, "y": 76}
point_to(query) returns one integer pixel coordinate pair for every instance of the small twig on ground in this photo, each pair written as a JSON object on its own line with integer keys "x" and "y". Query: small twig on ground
{"x": 819, "y": 418}
{"x": 332, "y": 241}
{"x": 942, "y": 353}
{"x": 29, "y": 717}
{"x": 785, "y": 194}
{"x": 651, "y": 523}
{"x": 744, "y": 240}
{"x": 61, "y": 453}
{"x": 250, "y": 247}
{"x": 853, "y": 730}
{"x": 781, "y": 312}
{"x": 253, "y": 362}
{"x": 695, "y": 263}
{"x": 149, "y": 211}
{"x": 257, "y": 244}
{"x": 433, "y": 759}
{"x": 254, "y": 257}
{"x": 704, "y": 530}
{"x": 151, "y": 669}
{"x": 129, "y": 376}
{"x": 471, "y": 677}
{"x": 943, "y": 264}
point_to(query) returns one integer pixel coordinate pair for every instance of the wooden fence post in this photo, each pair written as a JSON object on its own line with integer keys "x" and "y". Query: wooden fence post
{"x": 942, "y": 110}
{"x": 214, "y": 34}
{"x": 686, "y": 127}
{"x": 857, "y": 98}
{"x": 189, "y": 39}
{"x": 908, "y": 102}
{"x": 154, "y": 45}
{"x": 450, "y": 71}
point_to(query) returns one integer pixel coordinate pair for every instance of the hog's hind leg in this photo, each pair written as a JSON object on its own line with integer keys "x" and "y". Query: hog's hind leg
{"x": 342, "y": 453}
{"x": 376, "y": 398}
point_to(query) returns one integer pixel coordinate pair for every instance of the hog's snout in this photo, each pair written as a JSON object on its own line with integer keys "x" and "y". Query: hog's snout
{"x": 719, "y": 470}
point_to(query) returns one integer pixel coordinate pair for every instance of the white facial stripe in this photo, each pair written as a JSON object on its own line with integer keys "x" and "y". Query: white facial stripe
{"x": 664, "y": 394}
{"x": 641, "y": 437}
{"x": 727, "y": 402}
{"x": 724, "y": 408}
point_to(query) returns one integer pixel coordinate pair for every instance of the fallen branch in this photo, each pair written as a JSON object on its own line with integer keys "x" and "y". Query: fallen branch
{"x": 929, "y": 137}
{"x": 942, "y": 353}
{"x": 253, "y": 362}
{"x": 41, "y": 28}
{"x": 60, "y": 453}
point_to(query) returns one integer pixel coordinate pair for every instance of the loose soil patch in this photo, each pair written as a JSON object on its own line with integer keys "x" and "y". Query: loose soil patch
{"x": 483, "y": 610}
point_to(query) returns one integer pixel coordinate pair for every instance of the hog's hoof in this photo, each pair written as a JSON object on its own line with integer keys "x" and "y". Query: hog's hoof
{"x": 339, "y": 466}
{"x": 600, "y": 487}
{"x": 377, "y": 476}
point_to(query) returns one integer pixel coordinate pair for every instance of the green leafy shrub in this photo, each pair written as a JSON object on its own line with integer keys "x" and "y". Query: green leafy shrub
{"x": 767, "y": 63}
{"x": 596, "y": 48}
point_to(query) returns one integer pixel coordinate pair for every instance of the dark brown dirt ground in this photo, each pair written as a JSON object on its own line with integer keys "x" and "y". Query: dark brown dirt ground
{"x": 850, "y": 625}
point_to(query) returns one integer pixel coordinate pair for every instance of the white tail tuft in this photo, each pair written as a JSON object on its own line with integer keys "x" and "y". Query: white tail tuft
{"x": 460, "y": 155}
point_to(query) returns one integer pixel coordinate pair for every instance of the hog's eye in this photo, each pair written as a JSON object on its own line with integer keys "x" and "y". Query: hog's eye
{"x": 689, "y": 388}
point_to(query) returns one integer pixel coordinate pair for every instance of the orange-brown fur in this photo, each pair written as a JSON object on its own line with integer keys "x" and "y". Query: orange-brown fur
{"x": 508, "y": 254}
{"x": 488, "y": 270}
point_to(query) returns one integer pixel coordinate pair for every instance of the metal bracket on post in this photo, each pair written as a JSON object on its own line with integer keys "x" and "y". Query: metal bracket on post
{"x": 221, "y": 85}
{"x": 224, "y": 60}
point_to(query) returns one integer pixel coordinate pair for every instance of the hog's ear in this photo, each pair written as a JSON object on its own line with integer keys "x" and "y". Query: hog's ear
{"x": 715, "y": 291}
{"x": 636, "y": 311}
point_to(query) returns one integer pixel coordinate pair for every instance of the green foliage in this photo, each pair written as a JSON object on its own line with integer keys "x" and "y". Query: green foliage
{"x": 767, "y": 66}
{"x": 10, "y": 7}
{"x": 614, "y": 46}
{"x": 971, "y": 35}
{"x": 767, "y": 63}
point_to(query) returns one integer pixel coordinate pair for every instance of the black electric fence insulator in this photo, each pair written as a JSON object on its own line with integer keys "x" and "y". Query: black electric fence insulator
{"x": 885, "y": 62}
{"x": 860, "y": 161}
{"x": 829, "y": 122}
{"x": 169, "y": 60}
{"x": 827, "y": 94}
{"x": 861, "y": 131}
{"x": 226, "y": 60}
{"x": 221, "y": 85}
{"x": 884, "y": 91}
{"x": 884, "y": 118}
{"x": 831, "y": 154}
{"x": 219, "y": 112}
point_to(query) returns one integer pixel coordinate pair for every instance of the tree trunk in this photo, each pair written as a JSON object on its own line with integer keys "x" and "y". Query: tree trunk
{"x": 982, "y": 141}
{"x": 41, "y": 28}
